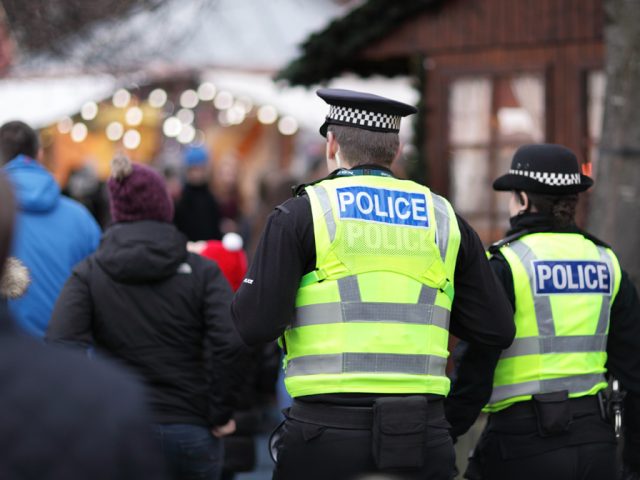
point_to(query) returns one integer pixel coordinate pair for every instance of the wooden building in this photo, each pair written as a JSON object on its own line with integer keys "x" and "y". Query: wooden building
{"x": 493, "y": 74}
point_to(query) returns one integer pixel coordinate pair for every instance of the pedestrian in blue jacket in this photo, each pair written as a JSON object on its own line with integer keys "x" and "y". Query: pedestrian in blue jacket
{"x": 53, "y": 232}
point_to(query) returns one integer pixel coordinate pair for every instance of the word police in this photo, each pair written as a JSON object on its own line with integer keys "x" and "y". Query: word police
{"x": 571, "y": 276}
{"x": 383, "y": 206}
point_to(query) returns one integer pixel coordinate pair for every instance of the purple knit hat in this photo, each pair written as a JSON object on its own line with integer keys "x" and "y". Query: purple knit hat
{"x": 137, "y": 193}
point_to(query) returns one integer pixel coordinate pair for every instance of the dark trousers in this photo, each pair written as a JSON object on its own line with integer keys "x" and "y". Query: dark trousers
{"x": 191, "y": 452}
{"x": 591, "y": 461}
{"x": 514, "y": 445}
{"x": 316, "y": 452}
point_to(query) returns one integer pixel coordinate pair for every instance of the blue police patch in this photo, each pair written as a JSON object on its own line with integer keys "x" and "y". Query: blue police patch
{"x": 383, "y": 206}
{"x": 571, "y": 276}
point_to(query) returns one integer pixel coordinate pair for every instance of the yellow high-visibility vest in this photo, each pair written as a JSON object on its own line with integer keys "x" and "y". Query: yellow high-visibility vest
{"x": 374, "y": 315}
{"x": 564, "y": 287}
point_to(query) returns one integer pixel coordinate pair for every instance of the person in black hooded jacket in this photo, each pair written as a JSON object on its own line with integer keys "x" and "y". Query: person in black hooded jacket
{"x": 63, "y": 416}
{"x": 143, "y": 300}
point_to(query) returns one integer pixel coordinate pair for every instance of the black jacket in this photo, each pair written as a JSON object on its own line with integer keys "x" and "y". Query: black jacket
{"x": 262, "y": 308}
{"x": 163, "y": 312}
{"x": 65, "y": 417}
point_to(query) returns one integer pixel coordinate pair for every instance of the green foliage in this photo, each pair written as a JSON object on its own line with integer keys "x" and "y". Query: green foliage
{"x": 334, "y": 50}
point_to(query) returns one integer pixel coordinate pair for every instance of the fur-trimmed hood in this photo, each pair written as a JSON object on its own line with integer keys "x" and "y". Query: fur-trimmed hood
{"x": 15, "y": 279}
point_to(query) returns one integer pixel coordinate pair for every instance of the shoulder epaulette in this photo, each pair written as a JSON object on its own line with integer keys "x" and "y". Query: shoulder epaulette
{"x": 495, "y": 247}
{"x": 298, "y": 190}
{"x": 595, "y": 240}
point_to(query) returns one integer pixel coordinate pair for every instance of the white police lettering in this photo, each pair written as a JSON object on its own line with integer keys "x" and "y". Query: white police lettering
{"x": 571, "y": 276}
{"x": 383, "y": 206}
{"x": 368, "y": 238}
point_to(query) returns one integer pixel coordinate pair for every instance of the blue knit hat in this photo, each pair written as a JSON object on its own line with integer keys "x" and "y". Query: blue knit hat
{"x": 196, "y": 156}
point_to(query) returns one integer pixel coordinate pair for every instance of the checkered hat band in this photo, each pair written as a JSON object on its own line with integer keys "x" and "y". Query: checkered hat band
{"x": 364, "y": 118}
{"x": 550, "y": 178}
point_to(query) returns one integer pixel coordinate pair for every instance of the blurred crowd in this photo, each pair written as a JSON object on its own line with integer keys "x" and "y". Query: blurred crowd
{"x": 116, "y": 323}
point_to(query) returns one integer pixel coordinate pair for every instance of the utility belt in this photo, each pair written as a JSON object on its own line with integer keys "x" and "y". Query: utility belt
{"x": 398, "y": 425}
{"x": 360, "y": 418}
{"x": 551, "y": 413}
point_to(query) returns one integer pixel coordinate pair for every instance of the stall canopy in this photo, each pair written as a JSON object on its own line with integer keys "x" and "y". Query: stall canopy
{"x": 42, "y": 101}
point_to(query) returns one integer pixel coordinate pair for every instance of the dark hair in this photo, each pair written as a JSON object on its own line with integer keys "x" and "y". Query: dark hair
{"x": 6, "y": 219}
{"x": 562, "y": 208}
{"x": 17, "y": 138}
{"x": 361, "y": 146}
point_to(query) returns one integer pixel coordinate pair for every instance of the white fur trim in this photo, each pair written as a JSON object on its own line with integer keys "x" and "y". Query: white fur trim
{"x": 15, "y": 279}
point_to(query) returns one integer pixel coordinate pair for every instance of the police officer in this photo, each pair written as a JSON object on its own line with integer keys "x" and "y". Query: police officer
{"x": 577, "y": 317}
{"x": 362, "y": 275}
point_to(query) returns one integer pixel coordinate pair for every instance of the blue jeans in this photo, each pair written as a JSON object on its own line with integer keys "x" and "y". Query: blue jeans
{"x": 191, "y": 452}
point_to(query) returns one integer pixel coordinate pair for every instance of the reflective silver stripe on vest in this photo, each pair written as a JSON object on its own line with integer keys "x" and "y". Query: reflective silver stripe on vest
{"x": 541, "y": 303}
{"x": 605, "y": 309}
{"x": 366, "y": 363}
{"x": 328, "y": 313}
{"x": 427, "y": 295}
{"x": 325, "y": 204}
{"x": 349, "y": 289}
{"x": 574, "y": 384}
{"x": 442, "y": 222}
{"x": 563, "y": 344}
{"x": 547, "y": 342}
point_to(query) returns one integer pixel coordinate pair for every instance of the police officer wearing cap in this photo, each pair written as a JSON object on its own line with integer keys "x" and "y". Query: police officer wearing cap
{"x": 362, "y": 276}
{"x": 577, "y": 320}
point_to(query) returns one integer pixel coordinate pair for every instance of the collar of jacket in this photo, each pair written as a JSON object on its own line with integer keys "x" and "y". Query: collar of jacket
{"x": 367, "y": 169}
{"x": 528, "y": 223}
{"x": 537, "y": 222}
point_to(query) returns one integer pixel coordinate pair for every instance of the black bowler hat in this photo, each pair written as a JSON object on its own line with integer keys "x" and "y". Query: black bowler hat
{"x": 363, "y": 110}
{"x": 544, "y": 168}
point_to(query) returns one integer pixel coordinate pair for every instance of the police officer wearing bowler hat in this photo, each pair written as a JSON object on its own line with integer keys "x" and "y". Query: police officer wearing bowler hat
{"x": 362, "y": 276}
{"x": 577, "y": 318}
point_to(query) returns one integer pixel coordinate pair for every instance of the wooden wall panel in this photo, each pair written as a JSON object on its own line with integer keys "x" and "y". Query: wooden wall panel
{"x": 477, "y": 24}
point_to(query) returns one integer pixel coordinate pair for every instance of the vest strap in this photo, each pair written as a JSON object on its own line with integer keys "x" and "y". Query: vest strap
{"x": 314, "y": 276}
{"x": 448, "y": 290}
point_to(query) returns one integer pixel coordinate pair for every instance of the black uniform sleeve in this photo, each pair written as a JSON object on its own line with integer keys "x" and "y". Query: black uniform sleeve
{"x": 223, "y": 347}
{"x": 472, "y": 385}
{"x": 502, "y": 270}
{"x": 481, "y": 312}
{"x": 71, "y": 319}
{"x": 263, "y": 305}
{"x": 623, "y": 352}
{"x": 483, "y": 318}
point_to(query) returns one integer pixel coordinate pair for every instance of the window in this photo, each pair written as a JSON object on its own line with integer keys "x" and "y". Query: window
{"x": 489, "y": 117}
{"x": 596, "y": 85}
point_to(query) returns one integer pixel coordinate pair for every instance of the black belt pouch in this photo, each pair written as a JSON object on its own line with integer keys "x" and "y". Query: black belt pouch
{"x": 399, "y": 432}
{"x": 553, "y": 412}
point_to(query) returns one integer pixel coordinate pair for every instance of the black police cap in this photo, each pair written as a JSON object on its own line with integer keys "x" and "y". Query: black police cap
{"x": 546, "y": 169}
{"x": 363, "y": 110}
